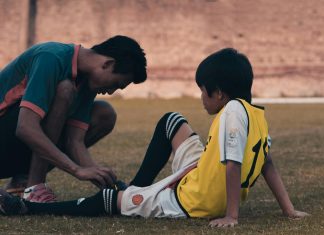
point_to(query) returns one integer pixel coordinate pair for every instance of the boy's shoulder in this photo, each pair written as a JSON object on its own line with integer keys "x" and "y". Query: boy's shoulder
{"x": 236, "y": 106}
{"x": 55, "y": 48}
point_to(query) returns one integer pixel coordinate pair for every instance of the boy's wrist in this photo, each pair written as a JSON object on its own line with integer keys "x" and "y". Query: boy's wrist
{"x": 232, "y": 212}
{"x": 288, "y": 212}
{"x": 287, "y": 208}
{"x": 232, "y": 216}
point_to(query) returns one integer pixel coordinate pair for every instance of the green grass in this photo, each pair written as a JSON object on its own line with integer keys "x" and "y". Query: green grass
{"x": 298, "y": 135}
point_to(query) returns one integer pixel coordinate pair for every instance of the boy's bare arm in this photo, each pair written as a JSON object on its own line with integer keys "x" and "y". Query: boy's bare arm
{"x": 277, "y": 187}
{"x": 75, "y": 146}
{"x": 233, "y": 187}
{"x": 30, "y": 131}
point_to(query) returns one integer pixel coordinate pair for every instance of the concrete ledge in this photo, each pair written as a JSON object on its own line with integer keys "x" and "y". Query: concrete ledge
{"x": 297, "y": 100}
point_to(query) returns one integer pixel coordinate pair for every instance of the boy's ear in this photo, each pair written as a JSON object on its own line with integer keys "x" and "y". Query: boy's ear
{"x": 220, "y": 94}
{"x": 223, "y": 95}
{"x": 109, "y": 63}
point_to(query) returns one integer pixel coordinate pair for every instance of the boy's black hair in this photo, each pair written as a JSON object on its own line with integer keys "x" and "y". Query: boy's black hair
{"x": 129, "y": 56}
{"x": 226, "y": 70}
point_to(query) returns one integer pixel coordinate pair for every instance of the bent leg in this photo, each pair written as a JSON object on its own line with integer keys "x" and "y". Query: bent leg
{"x": 103, "y": 120}
{"x": 156, "y": 200}
{"x": 14, "y": 154}
{"x": 182, "y": 134}
{"x": 171, "y": 130}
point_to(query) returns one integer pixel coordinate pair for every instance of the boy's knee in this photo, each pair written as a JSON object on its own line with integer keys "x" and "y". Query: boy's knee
{"x": 165, "y": 117}
{"x": 104, "y": 115}
{"x": 170, "y": 123}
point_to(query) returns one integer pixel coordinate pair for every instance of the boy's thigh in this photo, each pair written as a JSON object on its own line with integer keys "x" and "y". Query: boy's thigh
{"x": 15, "y": 156}
{"x": 188, "y": 153}
{"x": 152, "y": 201}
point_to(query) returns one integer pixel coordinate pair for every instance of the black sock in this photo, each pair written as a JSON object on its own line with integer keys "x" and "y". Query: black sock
{"x": 104, "y": 202}
{"x": 159, "y": 149}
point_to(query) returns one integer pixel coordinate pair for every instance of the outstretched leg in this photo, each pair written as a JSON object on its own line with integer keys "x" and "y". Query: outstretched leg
{"x": 171, "y": 130}
{"x": 104, "y": 202}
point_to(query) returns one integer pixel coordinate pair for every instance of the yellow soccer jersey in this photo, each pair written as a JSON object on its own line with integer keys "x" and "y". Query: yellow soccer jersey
{"x": 202, "y": 192}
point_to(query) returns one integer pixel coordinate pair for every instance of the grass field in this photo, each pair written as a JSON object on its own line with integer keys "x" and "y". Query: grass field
{"x": 297, "y": 133}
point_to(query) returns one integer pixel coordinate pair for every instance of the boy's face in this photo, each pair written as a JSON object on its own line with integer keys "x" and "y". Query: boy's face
{"x": 104, "y": 80}
{"x": 214, "y": 103}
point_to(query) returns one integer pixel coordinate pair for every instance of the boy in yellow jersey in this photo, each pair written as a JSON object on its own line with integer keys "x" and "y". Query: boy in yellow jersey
{"x": 206, "y": 181}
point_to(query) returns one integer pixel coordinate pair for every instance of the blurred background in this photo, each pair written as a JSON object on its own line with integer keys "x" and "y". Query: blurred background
{"x": 284, "y": 40}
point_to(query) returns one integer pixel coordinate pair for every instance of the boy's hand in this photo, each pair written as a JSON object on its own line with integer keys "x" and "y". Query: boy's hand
{"x": 223, "y": 222}
{"x": 102, "y": 176}
{"x": 296, "y": 215}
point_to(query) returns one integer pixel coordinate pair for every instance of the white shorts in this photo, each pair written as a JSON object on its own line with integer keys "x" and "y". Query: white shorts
{"x": 158, "y": 200}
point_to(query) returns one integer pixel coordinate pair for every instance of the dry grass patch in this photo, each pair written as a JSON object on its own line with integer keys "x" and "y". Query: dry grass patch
{"x": 298, "y": 137}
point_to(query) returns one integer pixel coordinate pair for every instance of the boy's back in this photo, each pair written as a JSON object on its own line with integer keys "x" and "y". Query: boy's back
{"x": 43, "y": 65}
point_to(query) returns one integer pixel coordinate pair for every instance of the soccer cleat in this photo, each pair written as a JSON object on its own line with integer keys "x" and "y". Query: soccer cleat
{"x": 16, "y": 185}
{"x": 11, "y": 205}
{"x": 19, "y": 192}
{"x": 39, "y": 193}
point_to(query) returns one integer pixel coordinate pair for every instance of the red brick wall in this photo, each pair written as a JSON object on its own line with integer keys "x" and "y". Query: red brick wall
{"x": 13, "y": 28}
{"x": 177, "y": 34}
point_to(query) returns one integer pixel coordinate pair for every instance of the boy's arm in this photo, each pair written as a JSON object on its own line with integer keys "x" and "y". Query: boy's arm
{"x": 277, "y": 187}
{"x": 75, "y": 146}
{"x": 30, "y": 131}
{"x": 233, "y": 187}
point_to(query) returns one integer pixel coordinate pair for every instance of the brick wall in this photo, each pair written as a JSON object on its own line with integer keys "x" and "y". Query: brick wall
{"x": 280, "y": 37}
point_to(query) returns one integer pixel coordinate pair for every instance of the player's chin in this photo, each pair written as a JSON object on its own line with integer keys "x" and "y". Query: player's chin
{"x": 211, "y": 112}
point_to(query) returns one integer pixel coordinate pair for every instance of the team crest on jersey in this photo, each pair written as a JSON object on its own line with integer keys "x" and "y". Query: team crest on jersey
{"x": 137, "y": 199}
{"x": 233, "y": 137}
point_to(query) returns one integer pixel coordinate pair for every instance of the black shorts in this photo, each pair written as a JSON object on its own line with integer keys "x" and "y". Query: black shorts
{"x": 15, "y": 156}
